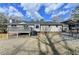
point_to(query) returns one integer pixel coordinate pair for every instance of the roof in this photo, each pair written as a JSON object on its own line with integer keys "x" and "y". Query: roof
{"x": 33, "y": 23}
{"x": 70, "y": 22}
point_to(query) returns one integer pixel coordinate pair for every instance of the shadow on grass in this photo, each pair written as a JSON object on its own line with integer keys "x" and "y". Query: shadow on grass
{"x": 52, "y": 46}
{"x": 39, "y": 47}
{"x": 67, "y": 47}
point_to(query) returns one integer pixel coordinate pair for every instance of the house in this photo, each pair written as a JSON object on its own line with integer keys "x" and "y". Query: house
{"x": 28, "y": 27}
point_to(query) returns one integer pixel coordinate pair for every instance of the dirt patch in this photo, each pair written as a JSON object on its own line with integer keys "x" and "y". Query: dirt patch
{"x": 3, "y": 36}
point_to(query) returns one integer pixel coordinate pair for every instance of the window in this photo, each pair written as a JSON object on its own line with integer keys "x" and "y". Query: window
{"x": 37, "y": 26}
{"x": 13, "y": 25}
{"x": 49, "y": 25}
{"x": 56, "y": 25}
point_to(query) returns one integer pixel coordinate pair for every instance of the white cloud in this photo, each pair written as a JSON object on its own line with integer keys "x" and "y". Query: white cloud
{"x": 31, "y": 6}
{"x": 66, "y": 18}
{"x": 70, "y": 5}
{"x": 28, "y": 14}
{"x": 37, "y": 16}
{"x": 67, "y": 6}
{"x": 13, "y": 11}
{"x": 63, "y": 12}
{"x": 60, "y": 13}
{"x": 51, "y": 7}
{"x": 34, "y": 7}
{"x": 34, "y": 15}
{"x": 3, "y": 10}
{"x": 32, "y": 10}
{"x": 18, "y": 14}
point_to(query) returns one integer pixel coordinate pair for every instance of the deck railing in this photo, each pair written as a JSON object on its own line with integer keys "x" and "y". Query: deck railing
{"x": 18, "y": 29}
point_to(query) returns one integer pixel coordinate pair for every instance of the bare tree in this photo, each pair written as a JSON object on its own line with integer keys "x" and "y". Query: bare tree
{"x": 75, "y": 14}
{"x": 3, "y": 20}
{"x": 41, "y": 20}
{"x": 56, "y": 19}
{"x": 15, "y": 19}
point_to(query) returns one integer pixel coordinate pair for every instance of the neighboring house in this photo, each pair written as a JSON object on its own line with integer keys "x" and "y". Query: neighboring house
{"x": 70, "y": 25}
{"x": 65, "y": 27}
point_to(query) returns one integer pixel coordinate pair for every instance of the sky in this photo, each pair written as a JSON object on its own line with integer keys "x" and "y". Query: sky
{"x": 37, "y": 11}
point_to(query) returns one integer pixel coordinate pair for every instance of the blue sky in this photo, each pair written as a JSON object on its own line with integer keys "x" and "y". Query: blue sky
{"x": 37, "y": 11}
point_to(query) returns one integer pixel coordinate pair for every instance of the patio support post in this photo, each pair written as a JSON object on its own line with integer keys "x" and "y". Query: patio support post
{"x": 29, "y": 34}
{"x": 17, "y": 34}
{"x": 7, "y": 35}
